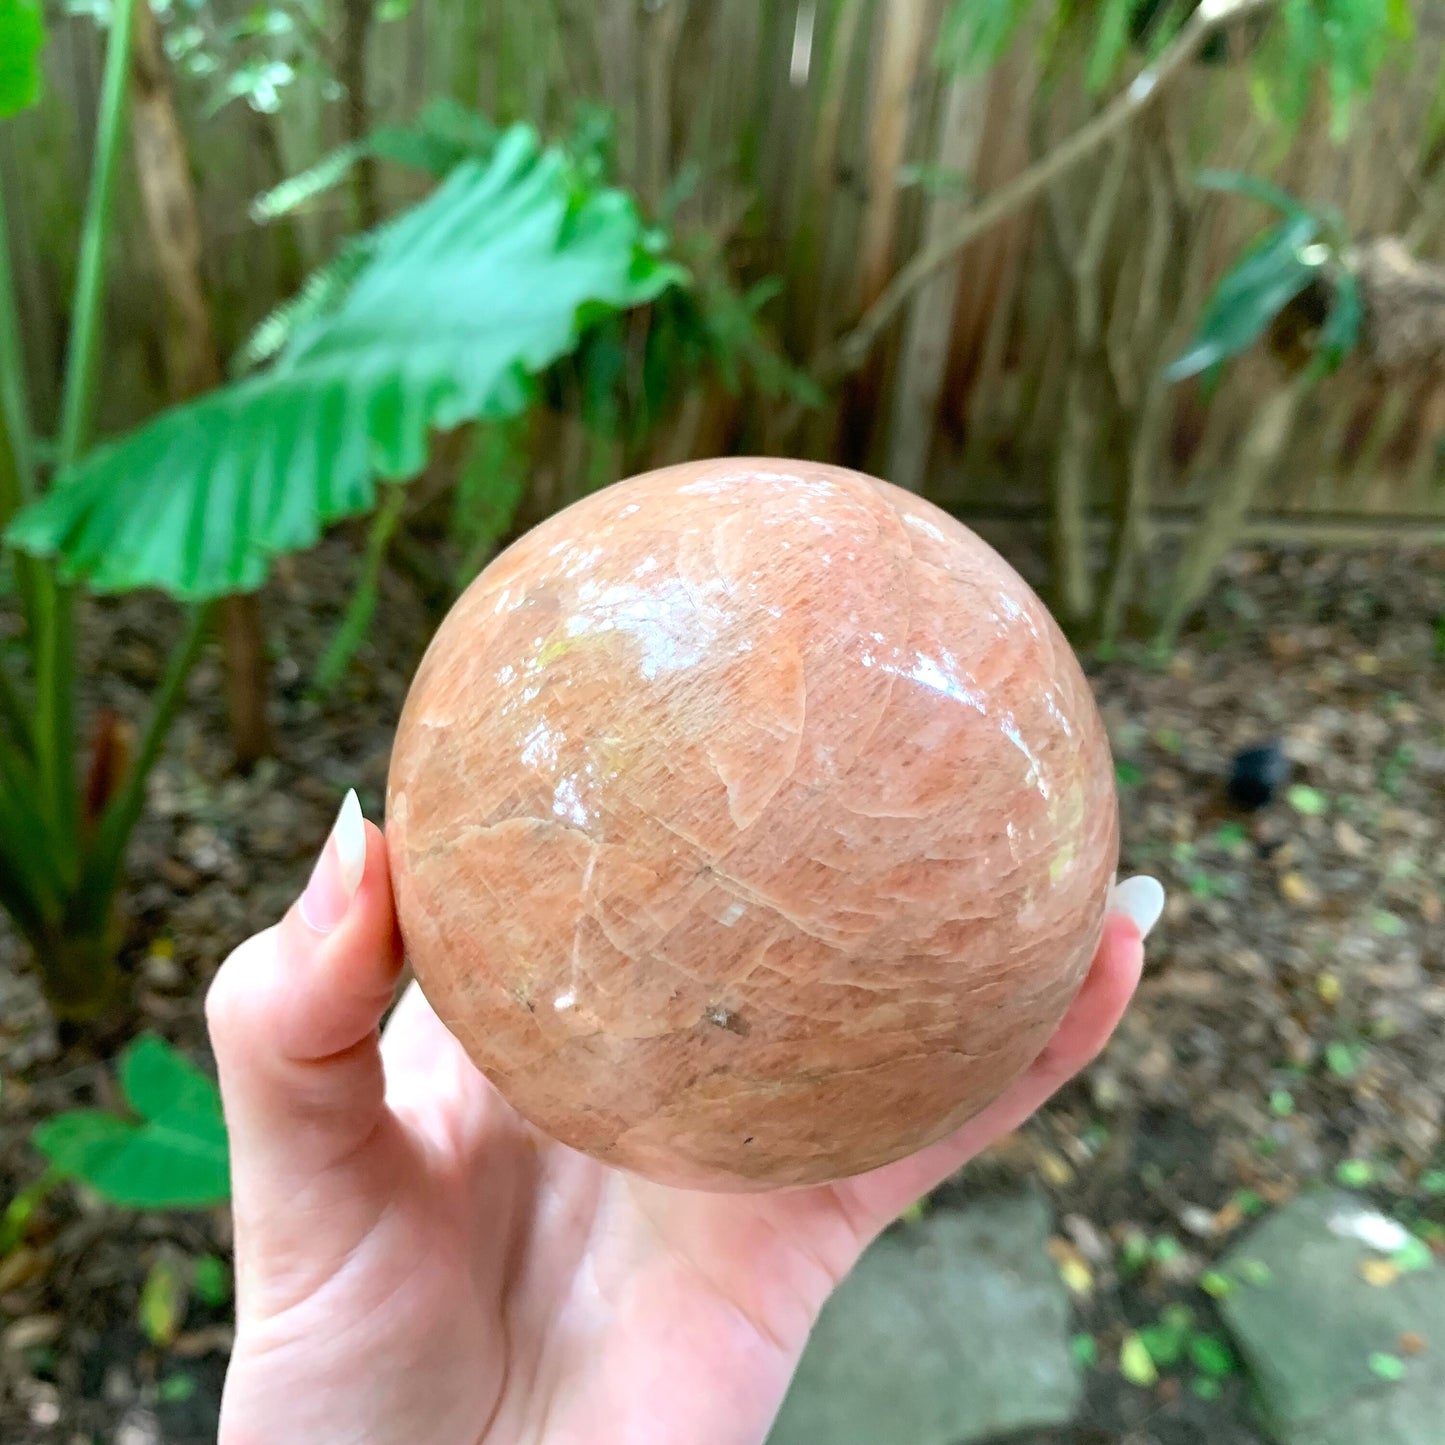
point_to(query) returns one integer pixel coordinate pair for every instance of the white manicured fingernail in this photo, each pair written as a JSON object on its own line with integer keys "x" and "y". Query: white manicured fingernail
{"x": 338, "y": 871}
{"x": 1140, "y": 898}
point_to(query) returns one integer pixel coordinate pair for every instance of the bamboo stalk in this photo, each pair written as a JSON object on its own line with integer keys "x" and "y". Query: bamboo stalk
{"x": 905, "y": 25}
{"x": 918, "y": 383}
{"x": 1081, "y": 252}
{"x": 1219, "y": 524}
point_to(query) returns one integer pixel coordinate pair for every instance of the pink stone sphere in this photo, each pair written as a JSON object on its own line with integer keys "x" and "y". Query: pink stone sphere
{"x": 751, "y": 824}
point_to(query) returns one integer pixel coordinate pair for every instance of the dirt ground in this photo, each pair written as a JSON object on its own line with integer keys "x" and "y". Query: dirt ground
{"x": 1289, "y": 1027}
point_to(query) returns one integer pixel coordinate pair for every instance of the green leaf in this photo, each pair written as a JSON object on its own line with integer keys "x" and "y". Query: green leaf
{"x": 1215, "y": 1284}
{"x": 1256, "y": 188}
{"x": 176, "y": 1389}
{"x": 1127, "y": 774}
{"x": 211, "y": 1280}
{"x": 1343, "y": 326}
{"x": 164, "y": 1086}
{"x": 1309, "y": 801}
{"x": 321, "y": 295}
{"x": 1355, "y": 1173}
{"x": 175, "y": 1158}
{"x": 1135, "y": 1362}
{"x": 1110, "y": 43}
{"x": 1281, "y": 1103}
{"x": 467, "y": 295}
{"x": 162, "y": 1305}
{"x": 1269, "y": 276}
{"x": 935, "y": 180}
{"x": 1386, "y": 1366}
{"x": 1390, "y": 924}
{"x": 22, "y": 38}
{"x": 976, "y": 33}
{"x": 1432, "y": 1182}
{"x": 1211, "y": 1355}
{"x": 1255, "y": 1272}
{"x": 1412, "y": 1256}
{"x": 1343, "y": 1060}
{"x": 1206, "y": 1389}
{"x": 1085, "y": 1350}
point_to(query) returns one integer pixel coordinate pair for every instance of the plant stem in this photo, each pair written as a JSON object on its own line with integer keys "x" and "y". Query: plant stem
{"x": 14, "y": 406}
{"x": 18, "y": 483}
{"x": 102, "y": 869}
{"x": 360, "y": 610}
{"x": 14, "y": 714}
{"x": 80, "y": 367}
{"x": 54, "y": 644}
{"x": 1219, "y": 524}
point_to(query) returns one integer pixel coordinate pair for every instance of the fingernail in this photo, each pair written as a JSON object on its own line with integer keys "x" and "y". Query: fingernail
{"x": 337, "y": 874}
{"x": 1141, "y": 898}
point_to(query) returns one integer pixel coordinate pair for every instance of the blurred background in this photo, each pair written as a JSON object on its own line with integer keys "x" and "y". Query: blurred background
{"x": 307, "y": 308}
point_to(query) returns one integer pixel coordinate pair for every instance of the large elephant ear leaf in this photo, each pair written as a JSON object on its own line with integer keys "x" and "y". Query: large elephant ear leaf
{"x": 464, "y": 299}
{"x": 22, "y": 37}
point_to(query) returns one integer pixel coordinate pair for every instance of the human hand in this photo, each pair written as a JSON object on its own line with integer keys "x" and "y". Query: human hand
{"x": 416, "y": 1265}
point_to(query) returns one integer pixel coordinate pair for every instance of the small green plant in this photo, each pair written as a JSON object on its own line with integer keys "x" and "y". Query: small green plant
{"x": 1309, "y": 802}
{"x": 1135, "y": 1362}
{"x": 61, "y": 839}
{"x": 170, "y": 1152}
{"x": 1386, "y": 1366}
{"x": 1345, "y": 1060}
{"x": 1355, "y": 1173}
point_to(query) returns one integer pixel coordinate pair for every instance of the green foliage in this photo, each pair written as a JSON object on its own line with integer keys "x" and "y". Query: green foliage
{"x": 22, "y": 38}
{"x": 161, "y": 1308}
{"x": 443, "y": 136}
{"x": 1344, "y": 1060}
{"x": 1261, "y": 284}
{"x": 1167, "y": 1339}
{"x": 1348, "y": 41}
{"x": 170, "y": 1155}
{"x": 1111, "y": 41}
{"x": 1306, "y": 800}
{"x": 1386, "y": 1366}
{"x": 211, "y": 1280}
{"x": 465, "y": 299}
{"x": 1135, "y": 1362}
{"x": 1303, "y": 249}
{"x": 1355, "y": 1173}
{"x": 976, "y": 33}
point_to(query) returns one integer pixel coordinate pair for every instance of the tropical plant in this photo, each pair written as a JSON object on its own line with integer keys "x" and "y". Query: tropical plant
{"x": 627, "y": 374}
{"x": 461, "y": 303}
{"x": 60, "y": 843}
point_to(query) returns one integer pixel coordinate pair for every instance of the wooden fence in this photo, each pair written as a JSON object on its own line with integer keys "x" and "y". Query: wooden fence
{"x": 807, "y": 123}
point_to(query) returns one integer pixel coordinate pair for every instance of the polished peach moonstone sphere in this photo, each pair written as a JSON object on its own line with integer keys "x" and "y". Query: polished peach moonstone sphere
{"x": 751, "y": 824}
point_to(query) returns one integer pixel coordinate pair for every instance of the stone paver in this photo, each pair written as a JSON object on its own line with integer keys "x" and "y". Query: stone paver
{"x": 951, "y": 1330}
{"x": 1308, "y": 1321}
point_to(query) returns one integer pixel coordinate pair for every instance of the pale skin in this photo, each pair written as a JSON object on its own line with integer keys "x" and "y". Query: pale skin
{"x": 415, "y": 1264}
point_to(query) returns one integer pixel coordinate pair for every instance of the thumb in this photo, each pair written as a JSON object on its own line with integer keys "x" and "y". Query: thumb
{"x": 293, "y": 1015}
